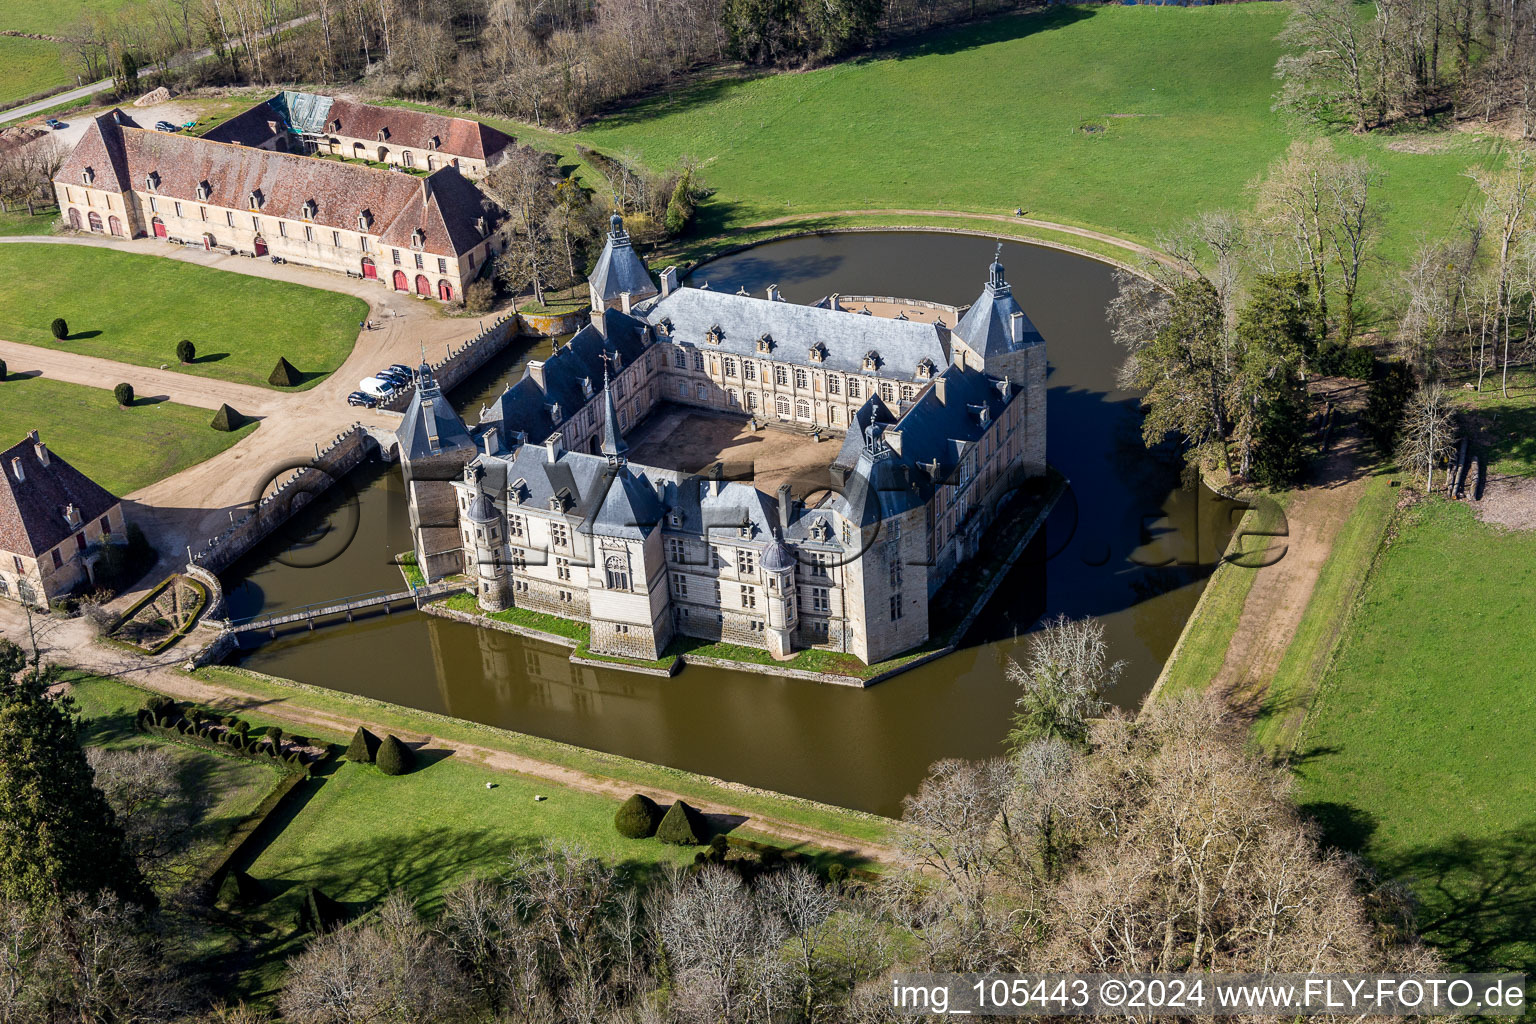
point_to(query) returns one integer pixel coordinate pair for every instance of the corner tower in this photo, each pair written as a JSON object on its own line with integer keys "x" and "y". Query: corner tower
{"x": 435, "y": 446}
{"x": 620, "y": 277}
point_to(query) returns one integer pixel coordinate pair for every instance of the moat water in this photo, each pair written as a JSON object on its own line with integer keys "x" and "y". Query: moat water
{"x": 1128, "y": 544}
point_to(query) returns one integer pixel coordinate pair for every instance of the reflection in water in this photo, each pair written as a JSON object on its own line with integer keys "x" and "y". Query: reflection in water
{"x": 1126, "y": 544}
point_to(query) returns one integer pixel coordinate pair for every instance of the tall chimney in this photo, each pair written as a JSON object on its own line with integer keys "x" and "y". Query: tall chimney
{"x": 16, "y": 469}
{"x": 786, "y": 506}
{"x": 492, "y": 439}
{"x": 597, "y": 322}
{"x": 426, "y": 191}
{"x": 624, "y": 301}
{"x": 38, "y": 446}
{"x": 1016, "y": 328}
{"x": 938, "y": 388}
{"x": 536, "y": 371}
{"x": 773, "y": 294}
{"x": 668, "y": 281}
{"x": 554, "y": 445}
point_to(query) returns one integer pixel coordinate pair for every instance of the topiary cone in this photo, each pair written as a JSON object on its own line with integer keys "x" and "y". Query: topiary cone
{"x": 394, "y": 757}
{"x": 363, "y": 747}
{"x": 283, "y": 374}
{"x": 226, "y": 419}
{"x": 680, "y": 826}
{"x": 637, "y": 817}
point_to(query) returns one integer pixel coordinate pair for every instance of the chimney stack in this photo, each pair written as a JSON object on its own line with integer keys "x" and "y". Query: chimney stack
{"x": 16, "y": 470}
{"x": 892, "y": 437}
{"x": 938, "y": 388}
{"x": 624, "y": 302}
{"x": 773, "y": 294}
{"x": 668, "y": 281}
{"x": 1016, "y": 328}
{"x": 786, "y": 507}
{"x": 492, "y": 440}
{"x": 597, "y": 322}
{"x": 426, "y": 191}
{"x": 554, "y": 446}
{"x": 38, "y": 446}
{"x": 535, "y": 369}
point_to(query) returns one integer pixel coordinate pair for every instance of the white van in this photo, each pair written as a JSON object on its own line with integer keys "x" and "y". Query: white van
{"x": 378, "y": 387}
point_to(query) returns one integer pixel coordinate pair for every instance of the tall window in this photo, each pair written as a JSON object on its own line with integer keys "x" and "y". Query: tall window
{"x": 730, "y": 367}
{"x": 895, "y": 607}
{"x": 514, "y": 526}
{"x": 617, "y": 571}
{"x": 563, "y": 568}
{"x": 559, "y": 534}
{"x": 781, "y": 406}
{"x": 746, "y": 561}
{"x": 802, "y": 409}
{"x": 802, "y": 380}
{"x": 834, "y": 385}
{"x": 853, "y": 387}
{"x": 674, "y": 550}
{"x": 680, "y": 359}
{"x": 698, "y": 360}
{"x": 748, "y": 370}
{"x": 749, "y": 597}
{"x": 819, "y": 602}
{"x": 679, "y": 585}
{"x": 780, "y": 376}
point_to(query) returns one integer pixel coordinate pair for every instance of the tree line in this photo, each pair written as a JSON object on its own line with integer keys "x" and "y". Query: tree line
{"x": 1099, "y": 842}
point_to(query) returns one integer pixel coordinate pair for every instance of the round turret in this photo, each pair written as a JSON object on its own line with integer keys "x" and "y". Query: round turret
{"x": 777, "y": 557}
{"x": 480, "y": 510}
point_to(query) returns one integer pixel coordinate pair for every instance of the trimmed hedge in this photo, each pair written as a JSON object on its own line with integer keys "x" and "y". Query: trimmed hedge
{"x": 124, "y": 394}
{"x": 186, "y": 352}
{"x": 682, "y": 825}
{"x": 364, "y": 747}
{"x": 59, "y": 328}
{"x": 394, "y": 757}
{"x": 637, "y": 817}
{"x": 283, "y": 374}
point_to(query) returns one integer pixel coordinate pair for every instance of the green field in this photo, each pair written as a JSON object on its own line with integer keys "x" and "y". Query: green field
{"x": 28, "y": 67}
{"x": 234, "y": 786}
{"x": 135, "y": 308}
{"x": 1418, "y": 752}
{"x": 121, "y": 449}
{"x": 991, "y": 117}
{"x": 16, "y": 221}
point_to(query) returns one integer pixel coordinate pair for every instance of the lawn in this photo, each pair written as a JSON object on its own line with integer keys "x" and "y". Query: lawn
{"x": 135, "y": 308}
{"x": 28, "y": 66}
{"x": 1418, "y": 752}
{"x": 991, "y": 117}
{"x": 121, "y": 449}
{"x": 235, "y": 785}
{"x": 17, "y": 222}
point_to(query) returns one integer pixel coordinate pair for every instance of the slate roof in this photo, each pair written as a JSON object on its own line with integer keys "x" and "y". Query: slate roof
{"x": 620, "y": 269}
{"x": 412, "y": 129}
{"x": 428, "y": 409}
{"x": 612, "y": 501}
{"x": 987, "y": 326}
{"x": 794, "y": 329}
{"x": 941, "y": 431}
{"x": 444, "y": 206}
{"x": 32, "y": 510}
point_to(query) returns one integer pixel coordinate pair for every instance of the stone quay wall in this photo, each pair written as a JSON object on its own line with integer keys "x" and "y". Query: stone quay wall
{"x": 462, "y": 361}
{"x": 301, "y": 485}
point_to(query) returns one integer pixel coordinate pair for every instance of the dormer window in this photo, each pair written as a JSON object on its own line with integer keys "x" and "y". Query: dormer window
{"x": 818, "y": 352}
{"x": 152, "y": 181}
{"x": 72, "y": 516}
{"x": 765, "y": 343}
{"x": 87, "y": 176}
{"x": 383, "y": 134}
{"x": 871, "y": 360}
{"x": 745, "y": 531}
{"x": 675, "y": 517}
{"x": 418, "y": 239}
{"x": 310, "y": 209}
{"x": 364, "y": 221}
{"x": 924, "y": 369}
{"x": 664, "y": 328}
{"x": 715, "y": 335}
{"x": 480, "y": 226}
{"x": 256, "y": 199}
{"x": 203, "y": 191}
{"x": 433, "y": 142}
{"x": 819, "y": 531}
{"x": 336, "y": 124}
{"x": 586, "y": 387}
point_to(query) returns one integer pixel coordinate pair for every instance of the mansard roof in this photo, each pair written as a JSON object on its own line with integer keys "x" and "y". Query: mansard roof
{"x": 611, "y": 501}
{"x": 32, "y": 519}
{"x": 430, "y": 424}
{"x": 935, "y": 430}
{"x": 740, "y": 320}
{"x": 987, "y": 326}
{"x": 444, "y": 206}
{"x": 620, "y": 269}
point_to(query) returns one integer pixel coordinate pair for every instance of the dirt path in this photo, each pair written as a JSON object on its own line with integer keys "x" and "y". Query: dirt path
{"x": 71, "y": 642}
{"x": 1280, "y": 593}
{"x": 1029, "y": 222}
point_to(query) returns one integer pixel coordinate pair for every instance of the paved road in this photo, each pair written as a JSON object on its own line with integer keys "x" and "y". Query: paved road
{"x": 106, "y": 84}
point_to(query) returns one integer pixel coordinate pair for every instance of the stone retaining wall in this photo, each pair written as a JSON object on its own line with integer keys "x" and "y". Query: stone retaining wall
{"x": 302, "y": 485}
{"x": 460, "y": 362}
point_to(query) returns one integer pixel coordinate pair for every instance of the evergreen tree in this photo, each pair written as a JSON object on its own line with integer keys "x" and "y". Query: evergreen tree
{"x": 394, "y": 757}
{"x": 1275, "y": 332}
{"x": 58, "y": 835}
{"x": 681, "y": 826}
{"x": 363, "y": 747}
{"x": 283, "y": 374}
{"x": 226, "y": 419}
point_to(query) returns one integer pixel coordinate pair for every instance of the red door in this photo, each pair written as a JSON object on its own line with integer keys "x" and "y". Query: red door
{"x": 400, "y": 284}
{"x": 157, "y": 224}
{"x": 370, "y": 272}
{"x": 445, "y": 291}
{"x": 260, "y": 245}
{"x": 423, "y": 286}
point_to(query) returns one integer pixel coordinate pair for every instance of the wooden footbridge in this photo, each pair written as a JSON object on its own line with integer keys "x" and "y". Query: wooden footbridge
{"x": 322, "y": 611}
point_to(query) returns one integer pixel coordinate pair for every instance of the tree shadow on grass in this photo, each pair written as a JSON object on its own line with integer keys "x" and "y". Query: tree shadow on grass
{"x": 82, "y": 335}
{"x": 140, "y": 401}
{"x": 212, "y": 357}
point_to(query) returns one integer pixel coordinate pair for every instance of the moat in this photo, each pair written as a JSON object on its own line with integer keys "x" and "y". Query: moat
{"x": 1127, "y": 544}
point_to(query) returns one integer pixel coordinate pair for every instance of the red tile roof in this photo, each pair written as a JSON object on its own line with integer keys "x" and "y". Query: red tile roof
{"x": 444, "y": 206}
{"x": 32, "y": 509}
{"x": 456, "y": 136}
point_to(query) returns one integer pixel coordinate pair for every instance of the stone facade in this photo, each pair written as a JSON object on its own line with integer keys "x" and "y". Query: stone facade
{"x": 553, "y": 516}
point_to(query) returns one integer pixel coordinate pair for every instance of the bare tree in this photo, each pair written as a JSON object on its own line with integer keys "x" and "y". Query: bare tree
{"x": 1329, "y": 73}
{"x": 1063, "y": 683}
{"x": 724, "y": 943}
{"x": 521, "y": 185}
{"x": 803, "y": 904}
{"x": 158, "y": 813}
{"x": 1509, "y": 200}
{"x": 1429, "y": 434}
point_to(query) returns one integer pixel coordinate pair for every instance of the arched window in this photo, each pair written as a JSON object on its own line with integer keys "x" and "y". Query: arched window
{"x": 752, "y": 400}
{"x": 115, "y": 225}
{"x": 95, "y": 220}
{"x": 407, "y": 159}
{"x": 617, "y": 571}
{"x": 802, "y": 409}
{"x": 781, "y": 406}
{"x": 733, "y": 398}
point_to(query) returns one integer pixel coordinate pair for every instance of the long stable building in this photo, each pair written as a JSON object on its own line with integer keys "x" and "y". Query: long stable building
{"x": 427, "y": 235}
{"x": 542, "y": 505}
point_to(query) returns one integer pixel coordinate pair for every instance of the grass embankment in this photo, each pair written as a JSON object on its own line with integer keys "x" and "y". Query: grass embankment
{"x": 233, "y": 786}
{"x": 298, "y": 697}
{"x": 1202, "y": 647}
{"x": 134, "y": 308}
{"x": 1418, "y": 751}
{"x": 1071, "y": 132}
{"x": 1338, "y": 587}
{"x": 121, "y": 449}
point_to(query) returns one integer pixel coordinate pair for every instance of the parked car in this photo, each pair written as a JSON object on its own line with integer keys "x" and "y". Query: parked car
{"x": 55, "y": 124}
{"x": 377, "y": 387}
{"x": 395, "y": 377}
{"x": 166, "y": 126}
{"x": 363, "y": 399}
{"x": 402, "y": 368}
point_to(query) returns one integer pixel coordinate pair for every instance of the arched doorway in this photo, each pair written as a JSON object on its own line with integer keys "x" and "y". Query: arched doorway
{"x": 95, "y": 220}
{"x": 260, "y": 245}
{"x": 359, "y": 152}
{"x": 423, "y": 286}
{"x": 157, "y": 224}
{"x": 383, "y": 154}
{"x": 400, "y": 283}
{"x": 370, "y": 272}
{"x": 115, "y": 225}
{"x": 208, "y": 241}
{"x": 445, "y": 291}
{"x": 74, "y": 219}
